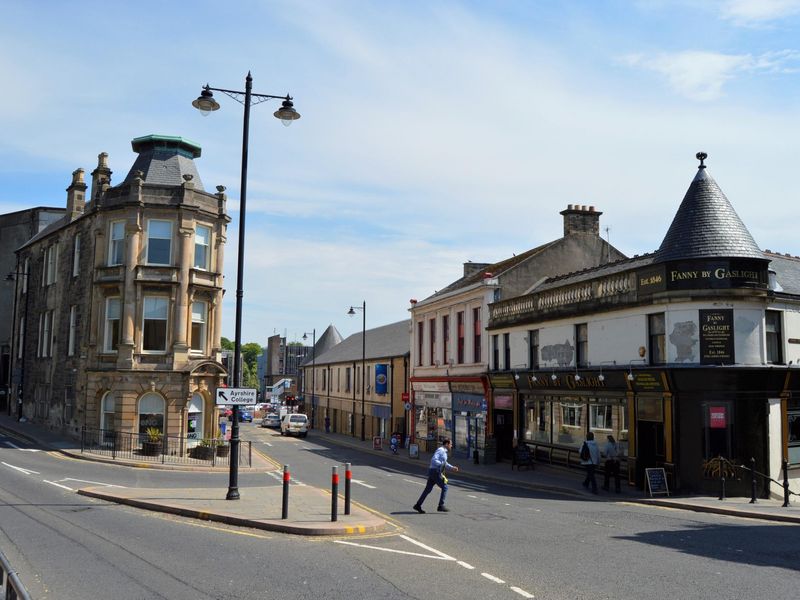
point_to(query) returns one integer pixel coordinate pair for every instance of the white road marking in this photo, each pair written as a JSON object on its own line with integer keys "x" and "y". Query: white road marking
{"x": 366, "y": 485}
{"x": 522, "y": 592}
{"x": 428, "y": 548}
{"x": 267, "y": 443}
{"x": 471, "y": 496}
{"x": 278, "y": 476}
{"x": 58, "y": 485}
{"x": 94, "y": 482}
{"x": 21, "y": 470}
{"x": 390, "y": 550}
{"x": 412, "y": 481}
{"x": 465, "y": 565}
{"x": 492, "y": 578}
{"x": 13, "y": 445}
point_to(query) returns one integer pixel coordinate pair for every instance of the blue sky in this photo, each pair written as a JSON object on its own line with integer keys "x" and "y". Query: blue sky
{"x": 432, "y": 133}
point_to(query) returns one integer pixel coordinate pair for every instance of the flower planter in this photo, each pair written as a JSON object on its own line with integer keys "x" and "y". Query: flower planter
{"x": 151, "y": 448}
{"x": 223, "y": 451}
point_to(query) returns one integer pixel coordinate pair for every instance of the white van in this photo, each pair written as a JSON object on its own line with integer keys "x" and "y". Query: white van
{"x": 294, "y": 424}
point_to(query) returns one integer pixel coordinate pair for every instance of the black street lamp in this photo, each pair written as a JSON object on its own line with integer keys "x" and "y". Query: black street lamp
{"x": 351, "y": 312}
{"x": 206, "y": 104}
{"x": 14, "y": 276}
{"x": 313, "y": 372}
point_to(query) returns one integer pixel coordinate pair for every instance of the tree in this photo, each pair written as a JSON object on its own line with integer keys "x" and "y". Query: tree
{"x": 250, "y": 353}
{"x": 227, "y": 344}
{"x": 249, "y": 376}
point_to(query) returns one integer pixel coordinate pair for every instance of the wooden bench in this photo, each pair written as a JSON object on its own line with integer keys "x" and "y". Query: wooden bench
{"x": 522, "y": 457}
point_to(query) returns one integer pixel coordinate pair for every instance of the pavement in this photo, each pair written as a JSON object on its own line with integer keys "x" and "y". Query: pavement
{"x": 310, "y": 508}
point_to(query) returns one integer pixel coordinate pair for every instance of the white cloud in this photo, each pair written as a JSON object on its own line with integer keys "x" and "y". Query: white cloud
{"x": 746, "y": 12}
{"x": 700, "y": 75}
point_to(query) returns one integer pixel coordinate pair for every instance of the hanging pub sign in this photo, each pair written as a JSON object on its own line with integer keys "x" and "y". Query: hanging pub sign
{"x": 702, "y": 274}
{"x": 716, "y": 337}
{"x": 380, "y": 378}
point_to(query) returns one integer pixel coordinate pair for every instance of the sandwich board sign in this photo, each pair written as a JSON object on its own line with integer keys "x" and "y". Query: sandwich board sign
{"x": 240, "y": 396}
{"x": 656, "y": 482}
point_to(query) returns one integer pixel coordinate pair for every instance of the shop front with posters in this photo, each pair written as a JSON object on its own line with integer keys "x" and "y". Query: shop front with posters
{"x": 504, "y": 430}
{"x": 469, "y": 417}
{"x": 433, "y": 413}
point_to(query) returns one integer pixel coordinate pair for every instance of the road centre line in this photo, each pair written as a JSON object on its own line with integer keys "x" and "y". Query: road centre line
{"x": 465, "y": 565}
{"x": 21, "y": 470}
{"x": 412, "y": 481}
{"x": 406, "y": 552}
{"x": 58, "y": 485}
{"x": 492, "y": 578}
{"x": 428, "y": 548}
{"x": 366, "y": 485}
{"x": 521, "y": 592}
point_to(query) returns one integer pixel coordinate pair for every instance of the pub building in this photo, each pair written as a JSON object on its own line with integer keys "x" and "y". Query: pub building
{"x": 683, "y": 355}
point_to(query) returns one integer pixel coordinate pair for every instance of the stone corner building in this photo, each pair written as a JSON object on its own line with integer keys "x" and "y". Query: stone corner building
{"x": 118, "y": 308}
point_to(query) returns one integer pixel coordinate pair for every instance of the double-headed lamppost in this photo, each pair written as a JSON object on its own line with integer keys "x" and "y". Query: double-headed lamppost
{"x": 351, "y": 312}
{"x": 206, "y": 104}
{"x": 313, "y": 371}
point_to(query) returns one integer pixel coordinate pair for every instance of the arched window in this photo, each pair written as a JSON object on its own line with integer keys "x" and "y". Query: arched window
{"x": 151, "y": 412}
{"x": 194, "y": 425}
{"x": 108, "y": 407}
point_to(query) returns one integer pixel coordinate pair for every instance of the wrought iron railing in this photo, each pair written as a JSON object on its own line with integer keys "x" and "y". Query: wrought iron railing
{"x": 167, "y": 449}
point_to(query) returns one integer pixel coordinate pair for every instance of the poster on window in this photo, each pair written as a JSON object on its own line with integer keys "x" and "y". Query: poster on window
{"x": 717, "y": 417}
{"x": 716, "y": 337}
{"x": 381, "y": 379}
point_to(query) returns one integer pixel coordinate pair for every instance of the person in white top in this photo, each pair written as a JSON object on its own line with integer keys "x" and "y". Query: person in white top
{"x": 591, "y": 461}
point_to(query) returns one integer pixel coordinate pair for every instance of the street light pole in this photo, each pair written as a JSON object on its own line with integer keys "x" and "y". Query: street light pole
{"x": 206, "y": 104}
{"x": 352, "y": 311}
{"x": 313, "y": 371}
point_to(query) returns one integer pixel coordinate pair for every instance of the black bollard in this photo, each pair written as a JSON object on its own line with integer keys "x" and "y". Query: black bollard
{"x": 785, "y": 483}
{"x": 721, "y": 479}
{"x": 753, "y": 481}
{"x": 285, "y": 505}
{"x": 334, "y": 493}
{"x": 348, "y": 475}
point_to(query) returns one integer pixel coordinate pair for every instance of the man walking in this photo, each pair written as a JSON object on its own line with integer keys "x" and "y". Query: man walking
{"x": 436, "y": 477}
{"x": 590, "y": 458}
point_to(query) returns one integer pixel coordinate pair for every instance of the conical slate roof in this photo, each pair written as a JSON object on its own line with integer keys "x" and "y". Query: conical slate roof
{"x": 329, "y": 338}
{"x": 165, "y": 159}
{"x": 706, "y": 226}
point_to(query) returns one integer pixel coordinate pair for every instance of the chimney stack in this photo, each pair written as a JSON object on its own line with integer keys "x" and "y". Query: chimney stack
{"x": 101, "y": 175}
{"x": 76, "y": 195}
{"x": 579, "y": 218}
{"x": 471, "y": 267}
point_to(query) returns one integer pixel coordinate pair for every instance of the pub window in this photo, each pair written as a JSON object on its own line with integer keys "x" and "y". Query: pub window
{"x": 793, "y": 415}
{"x": 774, "y": 341}
{"x": 658, "y": 349}
{"x": 600, "y": 416}
{"x": 533, "y": 349}
{"x": 581, "y": 345}
{"x": 571, "y": 415}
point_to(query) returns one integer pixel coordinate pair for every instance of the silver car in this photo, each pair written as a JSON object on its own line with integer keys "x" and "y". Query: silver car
{"x": 271, "y": 420}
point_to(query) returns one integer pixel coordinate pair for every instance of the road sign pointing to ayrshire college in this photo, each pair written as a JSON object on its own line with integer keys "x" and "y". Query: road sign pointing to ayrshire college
{"x": 236, "y": 396}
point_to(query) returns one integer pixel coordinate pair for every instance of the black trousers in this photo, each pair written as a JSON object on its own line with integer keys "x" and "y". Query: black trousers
{"x": 611, "y": 469}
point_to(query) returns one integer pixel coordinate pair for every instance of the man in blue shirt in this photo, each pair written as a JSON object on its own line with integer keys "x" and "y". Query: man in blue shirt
{"x": 436, "y": 476}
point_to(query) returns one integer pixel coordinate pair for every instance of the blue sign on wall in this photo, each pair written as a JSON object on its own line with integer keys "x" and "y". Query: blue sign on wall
{"x": 380, "y": 379}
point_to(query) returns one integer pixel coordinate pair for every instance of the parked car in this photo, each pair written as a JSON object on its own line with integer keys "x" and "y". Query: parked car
{"x": 271, "y": 420}
{"x": 294, "y": 424}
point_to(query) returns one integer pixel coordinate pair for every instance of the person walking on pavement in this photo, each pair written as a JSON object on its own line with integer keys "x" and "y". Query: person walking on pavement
{"x": 612, "y": 463}
{"x": 436, "y": 477}
{"x": 590, "y": 458}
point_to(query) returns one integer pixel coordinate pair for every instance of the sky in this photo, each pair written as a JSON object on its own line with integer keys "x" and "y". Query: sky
{"x": 431, "y": 133}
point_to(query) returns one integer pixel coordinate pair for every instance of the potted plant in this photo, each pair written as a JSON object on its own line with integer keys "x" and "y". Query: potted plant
{"x": 152, "y": 445}
{"x": 203, "y": 450}
{"x": 222, "y": 448}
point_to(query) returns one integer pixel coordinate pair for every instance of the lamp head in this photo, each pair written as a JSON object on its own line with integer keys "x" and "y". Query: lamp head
{"x": 305, "y": 336}
{"x": 286, "y": 113}
{"x": 205, "y": 102}
{"x": 351, "y": 312}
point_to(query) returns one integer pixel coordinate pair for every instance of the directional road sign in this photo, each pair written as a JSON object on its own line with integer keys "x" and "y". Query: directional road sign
{"x": 236, "y": 396}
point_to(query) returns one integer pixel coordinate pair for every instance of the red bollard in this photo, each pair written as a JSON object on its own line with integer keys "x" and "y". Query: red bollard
{"x": 286, "y": 478}
{"x": 348, "y": 475}
{"x": 334, "y": 493}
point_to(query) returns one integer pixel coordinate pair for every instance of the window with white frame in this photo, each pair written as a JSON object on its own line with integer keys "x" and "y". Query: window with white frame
{"x": 159, "y": 242}
{"x": 116, "y": 243}
{"x": 39, "y": 343}
{"x": 202, "y": 244}
{"x": 600, "y": 416}
{"x": 46, "y": 334}
{"x": 571, "y": 414}
{"x": 73, "y": 322}
{"x": 113, "y": 314}
{"x": 107, "y": 411}
{"x": 154, "y": 326}
{"x": 199, "y": 318}
{"x": 76, "y": 255}
{"x": 26, "y": 270}
{"x": 50, "y": 264}
{"x": 151, "y": 412}
{"x": 21, "y": 336}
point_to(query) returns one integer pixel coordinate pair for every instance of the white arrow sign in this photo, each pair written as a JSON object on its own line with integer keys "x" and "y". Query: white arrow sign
{"x": 241, "y": 396}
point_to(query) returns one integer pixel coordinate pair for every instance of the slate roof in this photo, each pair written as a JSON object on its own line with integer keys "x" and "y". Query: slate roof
{"x": 329, "y": 338}
{"x": 604, "y": 270}
{"x": 706, "y": 225}
{"x": 495, "y": 269}
{"x": 382, "y": 342}
{"x": 787, "y": 271}
{"x": 165, "y": 159}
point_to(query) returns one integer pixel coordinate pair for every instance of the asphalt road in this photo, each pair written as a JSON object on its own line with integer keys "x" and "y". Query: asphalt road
{"x": 498, "y": 541}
